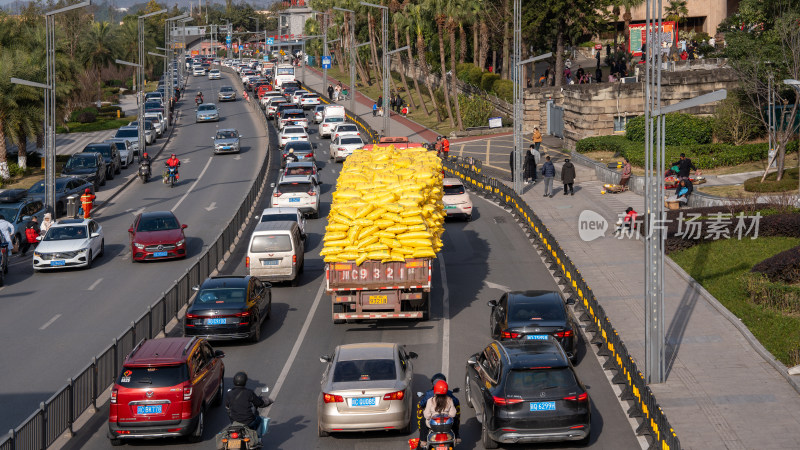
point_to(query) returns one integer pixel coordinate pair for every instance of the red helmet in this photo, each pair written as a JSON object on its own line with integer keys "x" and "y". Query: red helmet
{"x": 440, "y": 387}
{"x": 146, "y": 155}
{"x": 88, "y": 191}
{"x": 173, "y": 155}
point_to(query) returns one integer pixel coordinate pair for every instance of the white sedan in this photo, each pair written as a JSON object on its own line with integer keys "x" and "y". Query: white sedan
{"x": 292, "y": 133}
{"x": 456, "y": 199}
{"x": 214, "y": 74}
{"x": 345, "y": 129}
{"x": 70, "y": 243}
{"x": 343, "y": 146}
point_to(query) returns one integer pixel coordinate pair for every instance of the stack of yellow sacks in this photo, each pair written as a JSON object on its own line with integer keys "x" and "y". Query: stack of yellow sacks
{"x": 387, "y": 207}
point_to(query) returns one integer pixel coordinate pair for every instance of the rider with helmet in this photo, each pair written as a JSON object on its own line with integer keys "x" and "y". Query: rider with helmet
{"x": 173, "y": 161}
{"x": 445, "y": 146}
{"x": 199, "y": 97}
{"x": 440, "y": 403}
{"x": 241, "y": 404}
{"x": 422, "y": 420}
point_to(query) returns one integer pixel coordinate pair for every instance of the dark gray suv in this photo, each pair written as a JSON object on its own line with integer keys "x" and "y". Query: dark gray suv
{"x": 110, "y": 156}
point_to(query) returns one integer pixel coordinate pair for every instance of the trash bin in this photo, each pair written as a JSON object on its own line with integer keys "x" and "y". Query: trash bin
{"x": 310, "y": 60}
{"x": 72, "y": 206}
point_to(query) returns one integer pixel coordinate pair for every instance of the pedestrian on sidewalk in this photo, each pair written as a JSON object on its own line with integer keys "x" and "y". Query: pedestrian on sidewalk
{"x": 568, "y": 177}
{"x": 537, "y": 138}
{"x": 626, "y": 172}
{"x": 330, "y": 92}
{"x": 380, "y": 105}
{"x": 548, "y": 172}
{"x": 374, "y": 109}
{"x": 336, "y": 91}
{"x": 31, "y": 235}
{"x": 530, "y": 165}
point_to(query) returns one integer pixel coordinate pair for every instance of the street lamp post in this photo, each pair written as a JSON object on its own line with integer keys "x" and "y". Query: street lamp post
{"x": 140, "y": 77}
{"x": 519, "y": 119}
{"x": 50, "y": 105}
{"x": 170, "y": 52}
{"x": 386, "y": 74}
{"x": 324, "y": 48}
{"x": 796, "y": 85}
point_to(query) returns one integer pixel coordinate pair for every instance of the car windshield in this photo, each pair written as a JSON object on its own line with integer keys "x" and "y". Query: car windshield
{"x": 303, "y": 170}
{"x": 148, "y": 105}
{"x": 538, "y": 311}
{"x": 298, "y": 146}
{"x": 153, "y": 377}
{"x": 291, "y": 217}
{"x": 271, "y": 243}
{"x": 334, "y": 119}
{"x": 530, "y": 382}
{"x": 352, "y": 141}
{"x": 294, "y": 188}
{"x": 226, "y": 89}
{"x": 127, "y": 133}
{"x": 341, "y": 128}
{"x": 206, "y": 108}
{"x": 309, "y": 96}
{"x": 82, "y": 162}
{"x": 453, "y": 189}
{"x": 364, "y": 370}
{"x": 10, "y": 213}
{"x": 157, "y": 224}
{"x": 66, "y": 233}
{"x": 103, "y": 150}
{"x": 122, "y": 145}
{"x": 226, "y": 135}
{"x": 294, "y": 116}
{"x": 222, "y": 296}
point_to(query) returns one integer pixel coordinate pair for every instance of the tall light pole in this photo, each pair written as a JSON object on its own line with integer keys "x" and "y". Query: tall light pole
{"x": 183, "y": 23}
{"x": 386, "y": 74}
{"x": 519, "y": 119}
{"x": 140, "y": 77}
{"x": 257, "y": 19}
{"x": 324, "y": 48}
{"x": 170, "y": 52}
{"x": 796, "y": 85}
{"x": 352, "y": 40}
{"x": 50, "y": 105}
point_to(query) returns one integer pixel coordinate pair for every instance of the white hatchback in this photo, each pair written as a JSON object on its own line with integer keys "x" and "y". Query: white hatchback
{"x": 198, "y": 71}
{"x": 343, "y": 146}
{"x": 300, "y": 194}
{"x": 69, "y": 243}
{"x": 456, "y": 199}
{"x": 214, "y": 74}
{"x": 345, "y": 129}
{"x": 292, "y": 133}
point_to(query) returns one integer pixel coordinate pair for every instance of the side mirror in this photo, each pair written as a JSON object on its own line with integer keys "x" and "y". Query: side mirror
{"x": 94, "y": 235}
{"x": 196, "y": 287}
{"x": 472, "y": 361}
{"x": 184, "y": 226}
{"x": 325, "y": 358}
{"x": 412, "y": 355}
{"x": 130, "y": 230}
{"x": 419, "y": 394}
{"x": 265, "y": 389}
{"x": 492, "y": 303}
{"x": 219, "y": 354}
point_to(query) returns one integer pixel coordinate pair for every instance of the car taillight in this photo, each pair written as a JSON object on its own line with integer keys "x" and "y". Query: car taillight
{"x": 564, "y": 334}
{"x": 294, "y": 260}
{"x": 509, "y": 335}
{"x": 304, "y": 136}
{"x": 341, "y": 149}
{"x": 309, "y": 155}
{"x": 114, "y": 394}
{"x": 192, "y": 316}
{"x": 330, "y": 398}
{"x": 312, "y": 193}
{"x": 242, "y": 314}
{"x": 277, "y": 194}
{"x": 187, "y": 393}
{"x": 578, "y": 398}
{"x": 440, "y": 437}
{"x": 337, "y": 135}
{"x": 247, "y": 262}
{"x": 395, "y": 395}
{"x": 506, "y": 401}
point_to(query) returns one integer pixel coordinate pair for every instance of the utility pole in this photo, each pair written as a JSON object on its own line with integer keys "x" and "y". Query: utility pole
{"x": 385, "y": 35}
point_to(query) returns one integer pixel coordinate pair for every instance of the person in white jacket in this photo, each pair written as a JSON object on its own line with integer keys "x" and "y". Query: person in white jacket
{"x": 440, "y": 403}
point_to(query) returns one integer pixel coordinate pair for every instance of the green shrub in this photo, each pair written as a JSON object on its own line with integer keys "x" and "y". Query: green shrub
{"x": 463, "y": 70}
{"x": 487, "y": 80}
{"x": 776, "y": 295}
{"x": 75, "y": 116}
{"x": 109, "y": 109}
{"x": 789, "y": 182}
{"x": 587, "y": 44}
{"x": 475, "y": 110}
{"x": 475, "y": 75}
{"x": 113, "y": 83}
{"x": 681, "y": 129}
{"x": 87, "y": 117}
{"x": 504, "y": 89}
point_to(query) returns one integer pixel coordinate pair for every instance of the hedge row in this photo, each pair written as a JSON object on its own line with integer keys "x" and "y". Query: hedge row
{"x": 487, "y": 81}
{"x": 90, "y": 113}
{"x": 781, "y": 268}
{"x": 681, "y": 129}
{"x": 704, "y": 156}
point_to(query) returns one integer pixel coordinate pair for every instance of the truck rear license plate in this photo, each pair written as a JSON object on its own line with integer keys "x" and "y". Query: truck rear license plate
{"x": 378, "y": 300}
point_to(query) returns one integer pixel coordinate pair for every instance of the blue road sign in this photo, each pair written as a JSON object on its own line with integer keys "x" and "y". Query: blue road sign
{"x": 228, "y": 41}
{"x": 266, "y": 57}
{"x": 326, "y": 62}
{"x": 270, "y": 41}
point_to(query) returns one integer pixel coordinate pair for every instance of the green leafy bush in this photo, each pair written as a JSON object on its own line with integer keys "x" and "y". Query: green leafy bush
{"x": 789, "y": 182}
{"x": 475, "y": 75}
{"x": 504, "y": 89}
{"x": 475, "y": 110}
{"x": 487, "y": 81}
{"x": 463, "y": 71}
{"x": 87, "y": 117}
{"x": 783, "y": 267}
{"x": 589, "y": 44}
{"x": 75, "y": 116}
{"x": 682, "y": 129}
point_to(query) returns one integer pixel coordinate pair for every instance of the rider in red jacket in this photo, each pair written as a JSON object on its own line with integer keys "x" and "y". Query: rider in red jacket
{"x": 173, "y": 161}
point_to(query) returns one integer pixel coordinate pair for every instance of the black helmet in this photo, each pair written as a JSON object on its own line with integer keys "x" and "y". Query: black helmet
{"x": 437, "y": 377}
{"x": 240, "y": 379}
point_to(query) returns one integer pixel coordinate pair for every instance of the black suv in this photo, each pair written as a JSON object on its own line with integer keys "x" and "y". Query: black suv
{"x": 534, "y": 315}
{"x": 89, "y": 166}
{"x": 527, "y": 392}
{"x": 229, "y": 307}
{"x": 110, "y": 156}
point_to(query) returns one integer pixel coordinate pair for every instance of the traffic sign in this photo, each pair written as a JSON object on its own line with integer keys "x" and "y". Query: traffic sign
{"x": 326, "y": 62}
{"x": 270, "y": 41}
{"x": 266, "y": 57}
{"x": 228, "y": 41}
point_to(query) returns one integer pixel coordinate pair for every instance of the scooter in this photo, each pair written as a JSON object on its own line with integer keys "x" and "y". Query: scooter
{"x": 237, "y": 436}
{"x": 170, "y": 176}
{"x": 441, "y": 430}
{"x": 144, "y": 171}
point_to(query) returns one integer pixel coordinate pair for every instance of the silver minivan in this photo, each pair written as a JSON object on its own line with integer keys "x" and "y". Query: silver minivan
{"x": 276, "y": 252}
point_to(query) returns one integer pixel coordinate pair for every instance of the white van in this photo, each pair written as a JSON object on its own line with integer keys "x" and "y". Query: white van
{"x": 333, "y": 111}
{"x": 276, "y": 252}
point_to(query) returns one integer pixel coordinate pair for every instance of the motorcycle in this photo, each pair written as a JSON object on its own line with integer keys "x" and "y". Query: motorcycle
{"x": 144, "y": 171}
{"x": 171, "y": 176}
{"x": 441, "y": 430}
{"x": 238, "y": 436}
{"x": 198, "y": 100}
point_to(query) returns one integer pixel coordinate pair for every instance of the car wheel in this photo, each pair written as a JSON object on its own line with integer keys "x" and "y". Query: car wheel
{"x": 585, "y": 441}
{"x": 102, "y": 248}
{"x": 302, "y": 267}
{"x": 256, "y": 336}
{"x": 119, "y": 169}
{"x": 468, "y": 218}
{"x": 486, "y": 440}
{"x": 89, "y": 260}
{"x": 2, "y": 278}
{"x": 269, "y": 308}
{"x": 197, "y": 436}
{"x": 295, "y": 281}
{"x": 467, "y": 391}
{"x": 320, "y": 431}
{"x": 110, "y": 174}
{"x": 406, "y": 429}
{"x": 103, "y": 183}
{"x": 116, "y": 442}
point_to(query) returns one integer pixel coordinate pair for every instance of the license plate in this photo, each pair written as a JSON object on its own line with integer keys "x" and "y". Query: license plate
{"x": 234, "y": 443}
{"x": 443, "y": 447}
{"x": 543, "y": 406}
{"x": 58, "y": 263}
{"x": 159, "y": 254}
{"x": 294, "y": 138}
{"x": 149, "y": 409}
{"x": 270, "y": 262}
{"x": 294, "y": 200}
{"x": 215, "y": 321}
{"x": 377, "y": 300}
{"x": 363, "y": 401}
{"x": 226, "y": 148}
{"x": 450, "y": 207}
{"x": 536, "y": 337}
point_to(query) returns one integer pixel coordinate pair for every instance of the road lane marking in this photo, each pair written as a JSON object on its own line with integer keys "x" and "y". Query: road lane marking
{"x": 296, "y": 348}
{"x": 191, "y": 188}
{"x": 488, "y": 150}
{"x": 213, "y": 205}
{"x": 50, "y": 322}
{"x": 445, "y": 318}
{"x": 491, "y": 285}
{"x": 94, "y": 285}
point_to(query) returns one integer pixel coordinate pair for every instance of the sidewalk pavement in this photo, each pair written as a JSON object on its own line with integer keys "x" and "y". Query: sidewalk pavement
{"x": 720, "y": 392}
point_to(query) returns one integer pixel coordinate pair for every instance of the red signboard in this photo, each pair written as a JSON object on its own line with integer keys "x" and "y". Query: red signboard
{"x": 666, "y": 37}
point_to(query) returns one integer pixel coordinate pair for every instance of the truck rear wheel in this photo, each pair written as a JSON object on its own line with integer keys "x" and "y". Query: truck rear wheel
{"x": 426, "y": 312}
{"x": 338, "y": 309}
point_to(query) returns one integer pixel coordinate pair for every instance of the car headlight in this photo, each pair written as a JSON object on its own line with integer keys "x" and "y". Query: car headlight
{"x": 138, "y": 245}
{"x": 37, "y": 255}
{"x": 83, "y": 250}
{"x": 181, "y": 242}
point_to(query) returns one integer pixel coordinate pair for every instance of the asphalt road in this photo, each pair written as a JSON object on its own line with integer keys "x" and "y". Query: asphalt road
{"x": 52, "y": 324}
{"x": 479, "y": 260}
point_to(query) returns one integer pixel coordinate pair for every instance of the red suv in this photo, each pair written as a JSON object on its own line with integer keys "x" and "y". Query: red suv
{"x": 164, "y": 388}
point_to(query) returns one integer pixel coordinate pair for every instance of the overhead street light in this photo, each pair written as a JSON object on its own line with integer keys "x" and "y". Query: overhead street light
{"x": 29, "y": 83}
{"x": 324, "y": 47}
{"x": 386, "y": 75}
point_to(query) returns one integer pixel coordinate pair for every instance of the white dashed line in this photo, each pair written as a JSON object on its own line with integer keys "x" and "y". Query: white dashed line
{"x": 50, "y": 322}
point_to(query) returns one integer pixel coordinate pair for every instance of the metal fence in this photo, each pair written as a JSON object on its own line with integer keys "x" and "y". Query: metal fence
{"x": 58, "y": 413}
{"x": 644, "y": 407}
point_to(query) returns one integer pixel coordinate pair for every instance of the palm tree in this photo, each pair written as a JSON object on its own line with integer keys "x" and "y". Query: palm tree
{"x": 440, "y": 16}
{"x": 627, "y": 17}
{"x": 407, "y": 24}
{"x": 15, "y": 117}
{"x": 98, "y": 46}
{"x": 397, "y": 20}
{"x": 417, "y": 12}
{"x": 676, "y": 11}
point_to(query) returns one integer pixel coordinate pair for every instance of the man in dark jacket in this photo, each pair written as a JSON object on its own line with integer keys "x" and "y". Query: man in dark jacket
{"x": 241, "y": 404}
{"x": 548, "y": 172}
{"x": 685, "y": 166}
{"x": 530, "y": 164}
{"x": 568, "y": 177}
{"x": 330, "y": 91}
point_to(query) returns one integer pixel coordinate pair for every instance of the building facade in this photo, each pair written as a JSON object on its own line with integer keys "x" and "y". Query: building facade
{"x": 292, "y": 21}
{"x": 704, "y": 15}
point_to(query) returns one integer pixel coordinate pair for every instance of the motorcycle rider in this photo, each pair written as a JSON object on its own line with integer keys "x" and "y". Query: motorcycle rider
{"x": 240, "y": 402}
{"x": 198, "y": 99}
{"x": 445, "y": 146}
{"x": 422, "y": 422}
{"x": 145, "y": 161}
{"x": 173, "y": 161}
{"x": 291, "y": 157}
{"x": 441, "y": 402}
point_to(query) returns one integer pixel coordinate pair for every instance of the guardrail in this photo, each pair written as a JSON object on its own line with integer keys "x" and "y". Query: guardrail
{"x": 58, "y": 413}
{"x": 644, "y": 407}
